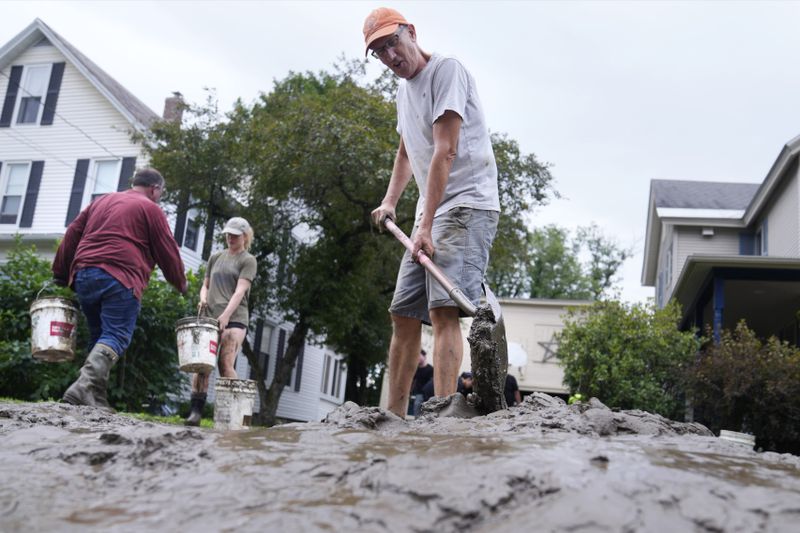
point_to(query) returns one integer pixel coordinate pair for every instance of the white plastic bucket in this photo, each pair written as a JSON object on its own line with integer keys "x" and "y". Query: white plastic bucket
{"x": 198, "y": 344}
{"x": 739, "y": 438}
{"x": 233, "y": 403}
{"x": 54, "y": 326}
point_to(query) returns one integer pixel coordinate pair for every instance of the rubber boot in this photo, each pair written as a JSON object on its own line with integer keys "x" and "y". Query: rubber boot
{"x": 90, "y": 387}
{"x": 198, "y": 402}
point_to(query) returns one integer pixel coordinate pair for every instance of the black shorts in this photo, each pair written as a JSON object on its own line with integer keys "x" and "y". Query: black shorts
{"x": 232, "y": 325}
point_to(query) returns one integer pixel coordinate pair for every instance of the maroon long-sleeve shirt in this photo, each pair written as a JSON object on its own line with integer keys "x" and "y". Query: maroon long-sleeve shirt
{"x": 126, "y": 234}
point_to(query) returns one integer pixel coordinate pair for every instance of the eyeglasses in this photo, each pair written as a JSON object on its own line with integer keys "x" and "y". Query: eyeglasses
{"x": 391, "y": 43}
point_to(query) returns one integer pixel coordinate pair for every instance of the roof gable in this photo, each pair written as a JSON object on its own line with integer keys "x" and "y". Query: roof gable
{"x": 133, "y": 109}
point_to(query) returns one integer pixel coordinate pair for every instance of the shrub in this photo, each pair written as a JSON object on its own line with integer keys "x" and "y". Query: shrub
{"x": 744, "y": 384}
{"x": 629, "y": 356}
{"x": 148, "y": 372}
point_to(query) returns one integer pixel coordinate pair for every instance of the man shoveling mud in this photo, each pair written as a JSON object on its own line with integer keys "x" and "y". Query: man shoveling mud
{"x": 107, "y": 255}
{"x": 445, "y": 145}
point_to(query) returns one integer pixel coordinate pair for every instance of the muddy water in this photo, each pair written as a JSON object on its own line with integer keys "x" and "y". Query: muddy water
{"x": 541, "y": 466}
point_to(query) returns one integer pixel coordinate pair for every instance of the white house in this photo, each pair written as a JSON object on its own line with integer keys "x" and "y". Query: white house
{"x": 65, "y": 128}
{"x": 729, "y": 251}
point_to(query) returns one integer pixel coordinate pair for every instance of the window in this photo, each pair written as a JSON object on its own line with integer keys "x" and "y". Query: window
{"x": 758, "y": 246}
{"x": 192, "y": 234}
{"x": 332, "y": 375}
{"x": 104, "y": 178}
{"x": 33, "y": 90}
{"x": 14, "y": 182}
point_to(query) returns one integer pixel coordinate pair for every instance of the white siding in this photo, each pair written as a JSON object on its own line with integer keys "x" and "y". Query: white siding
{"x": 86, "y": 126}
{"x": 783, "y": 224}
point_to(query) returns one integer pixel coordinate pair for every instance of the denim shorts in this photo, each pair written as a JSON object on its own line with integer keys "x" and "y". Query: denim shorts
{"x": 462, "y": 238}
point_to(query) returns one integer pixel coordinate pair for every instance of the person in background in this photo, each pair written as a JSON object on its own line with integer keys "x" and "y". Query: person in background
{"x": 106, "y": 257}
{"x": 465, "y": 382}
{"x": 422, "y": 376}
{"x": 511, "y": 391}
{"x": 445, "y": 146}
{"x": 225, "y": 291}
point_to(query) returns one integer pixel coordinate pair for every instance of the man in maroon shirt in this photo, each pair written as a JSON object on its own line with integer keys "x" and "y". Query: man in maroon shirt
{"x": 107, "y": 255}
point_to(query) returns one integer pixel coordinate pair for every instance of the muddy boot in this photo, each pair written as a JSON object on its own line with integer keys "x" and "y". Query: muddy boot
{"x": 90, "y": 387}
{"x": 198, "y": 402}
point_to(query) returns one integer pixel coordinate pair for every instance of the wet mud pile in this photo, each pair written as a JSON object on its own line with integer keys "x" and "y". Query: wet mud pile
{"x": 541, "y": 466}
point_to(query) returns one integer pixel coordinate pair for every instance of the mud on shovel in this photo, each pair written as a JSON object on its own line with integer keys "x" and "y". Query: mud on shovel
{"x": 487, "y": 336}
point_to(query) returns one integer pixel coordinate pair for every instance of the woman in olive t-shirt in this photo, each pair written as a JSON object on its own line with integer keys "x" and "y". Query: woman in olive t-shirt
{"x": 224, "y": 293}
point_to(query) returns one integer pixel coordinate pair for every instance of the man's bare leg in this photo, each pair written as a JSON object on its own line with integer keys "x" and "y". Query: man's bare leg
{"x": 448, "y": 350}
{"x": 403, "y": 358}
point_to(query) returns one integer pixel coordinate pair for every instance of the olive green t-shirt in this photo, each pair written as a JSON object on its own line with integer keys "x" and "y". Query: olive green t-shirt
{"x": 223, "y": 273}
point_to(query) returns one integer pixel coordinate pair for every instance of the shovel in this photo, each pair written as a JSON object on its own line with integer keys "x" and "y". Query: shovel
{"x": 487, "y": 336}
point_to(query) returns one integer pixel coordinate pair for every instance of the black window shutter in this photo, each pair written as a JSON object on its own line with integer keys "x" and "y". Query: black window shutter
{"x": 299, "y": 369}
{"x": 56, "y": 74}
{"x": 281, "y": 345}
{"x": 180, "y": 224}
{"x": 125, "y": 174}
{"x": 34, "y": 180}
{"x": 76, "y": 196}
{"x": 11, "y": 96}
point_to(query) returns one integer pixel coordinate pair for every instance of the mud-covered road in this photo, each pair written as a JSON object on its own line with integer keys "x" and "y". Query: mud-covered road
{"x": 542, "y": 466}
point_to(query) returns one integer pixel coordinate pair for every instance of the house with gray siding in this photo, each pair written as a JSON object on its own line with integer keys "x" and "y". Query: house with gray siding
{"x": 729, "y": 251}
{"x": 65, "y": 138}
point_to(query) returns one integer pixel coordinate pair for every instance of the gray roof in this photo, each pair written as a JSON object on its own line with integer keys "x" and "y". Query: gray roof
{"x": 703, "y": 194}
{"x": 134, "y": 109}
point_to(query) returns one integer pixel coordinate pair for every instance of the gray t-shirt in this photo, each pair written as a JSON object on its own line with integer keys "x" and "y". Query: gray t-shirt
{"x": 223, "y": 273}
{"x": 445, "y": 84}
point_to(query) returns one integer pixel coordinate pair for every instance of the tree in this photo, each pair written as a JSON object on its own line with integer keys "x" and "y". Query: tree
{"x": 319, "y": 149}
{"x": 630, "y": 356}
{"x": 582, "y": 268}
{"x": 524, "y": 183}
{"x": 198, "y": 157}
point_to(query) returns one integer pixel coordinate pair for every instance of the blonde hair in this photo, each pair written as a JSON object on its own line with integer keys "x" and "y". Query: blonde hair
{"x": 248, "y": 237}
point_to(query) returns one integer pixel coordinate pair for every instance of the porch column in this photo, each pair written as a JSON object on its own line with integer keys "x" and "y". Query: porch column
{"x": 719, "y": 306}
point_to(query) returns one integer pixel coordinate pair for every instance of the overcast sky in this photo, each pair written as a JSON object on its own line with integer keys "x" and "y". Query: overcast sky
{"x": 613, "y": 94}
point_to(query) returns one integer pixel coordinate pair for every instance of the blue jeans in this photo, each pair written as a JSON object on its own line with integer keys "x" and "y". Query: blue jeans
{"x": 110, "y": 308}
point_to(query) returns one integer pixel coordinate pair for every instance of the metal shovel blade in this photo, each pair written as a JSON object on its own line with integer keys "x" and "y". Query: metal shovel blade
{"x": 489, "y": 354}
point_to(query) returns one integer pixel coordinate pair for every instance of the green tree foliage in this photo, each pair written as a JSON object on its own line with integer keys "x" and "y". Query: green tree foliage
{"x": 22, "y": 277}
{"x": 630, "y": 356}
{"x": 198, "y": 157}
{"x": 560, "y": 266}
{"x": 524, "y": 183}
{"x": 147, "y": 373}
{"x": 319, "y": 151}
{"x": 745, "y": 384}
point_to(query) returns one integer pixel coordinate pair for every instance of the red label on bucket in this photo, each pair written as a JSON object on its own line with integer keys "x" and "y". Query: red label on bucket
{"x": 212, "y": 347}
{"x": 61, "y": 329}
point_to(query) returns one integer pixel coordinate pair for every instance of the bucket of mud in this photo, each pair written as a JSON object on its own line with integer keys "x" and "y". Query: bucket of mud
{"x": 198, "y": 341}
{"x": 739, "y": 438}
{"x": 233, "y": 406}
{"x": 54, "y": 325}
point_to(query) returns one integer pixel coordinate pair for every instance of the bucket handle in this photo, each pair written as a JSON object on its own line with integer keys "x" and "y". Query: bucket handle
{"x": 47, "y": 284}
{"x": 202, "y": 310}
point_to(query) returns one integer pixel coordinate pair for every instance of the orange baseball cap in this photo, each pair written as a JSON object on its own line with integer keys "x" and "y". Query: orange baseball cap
{"x": 380, "y": 23}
